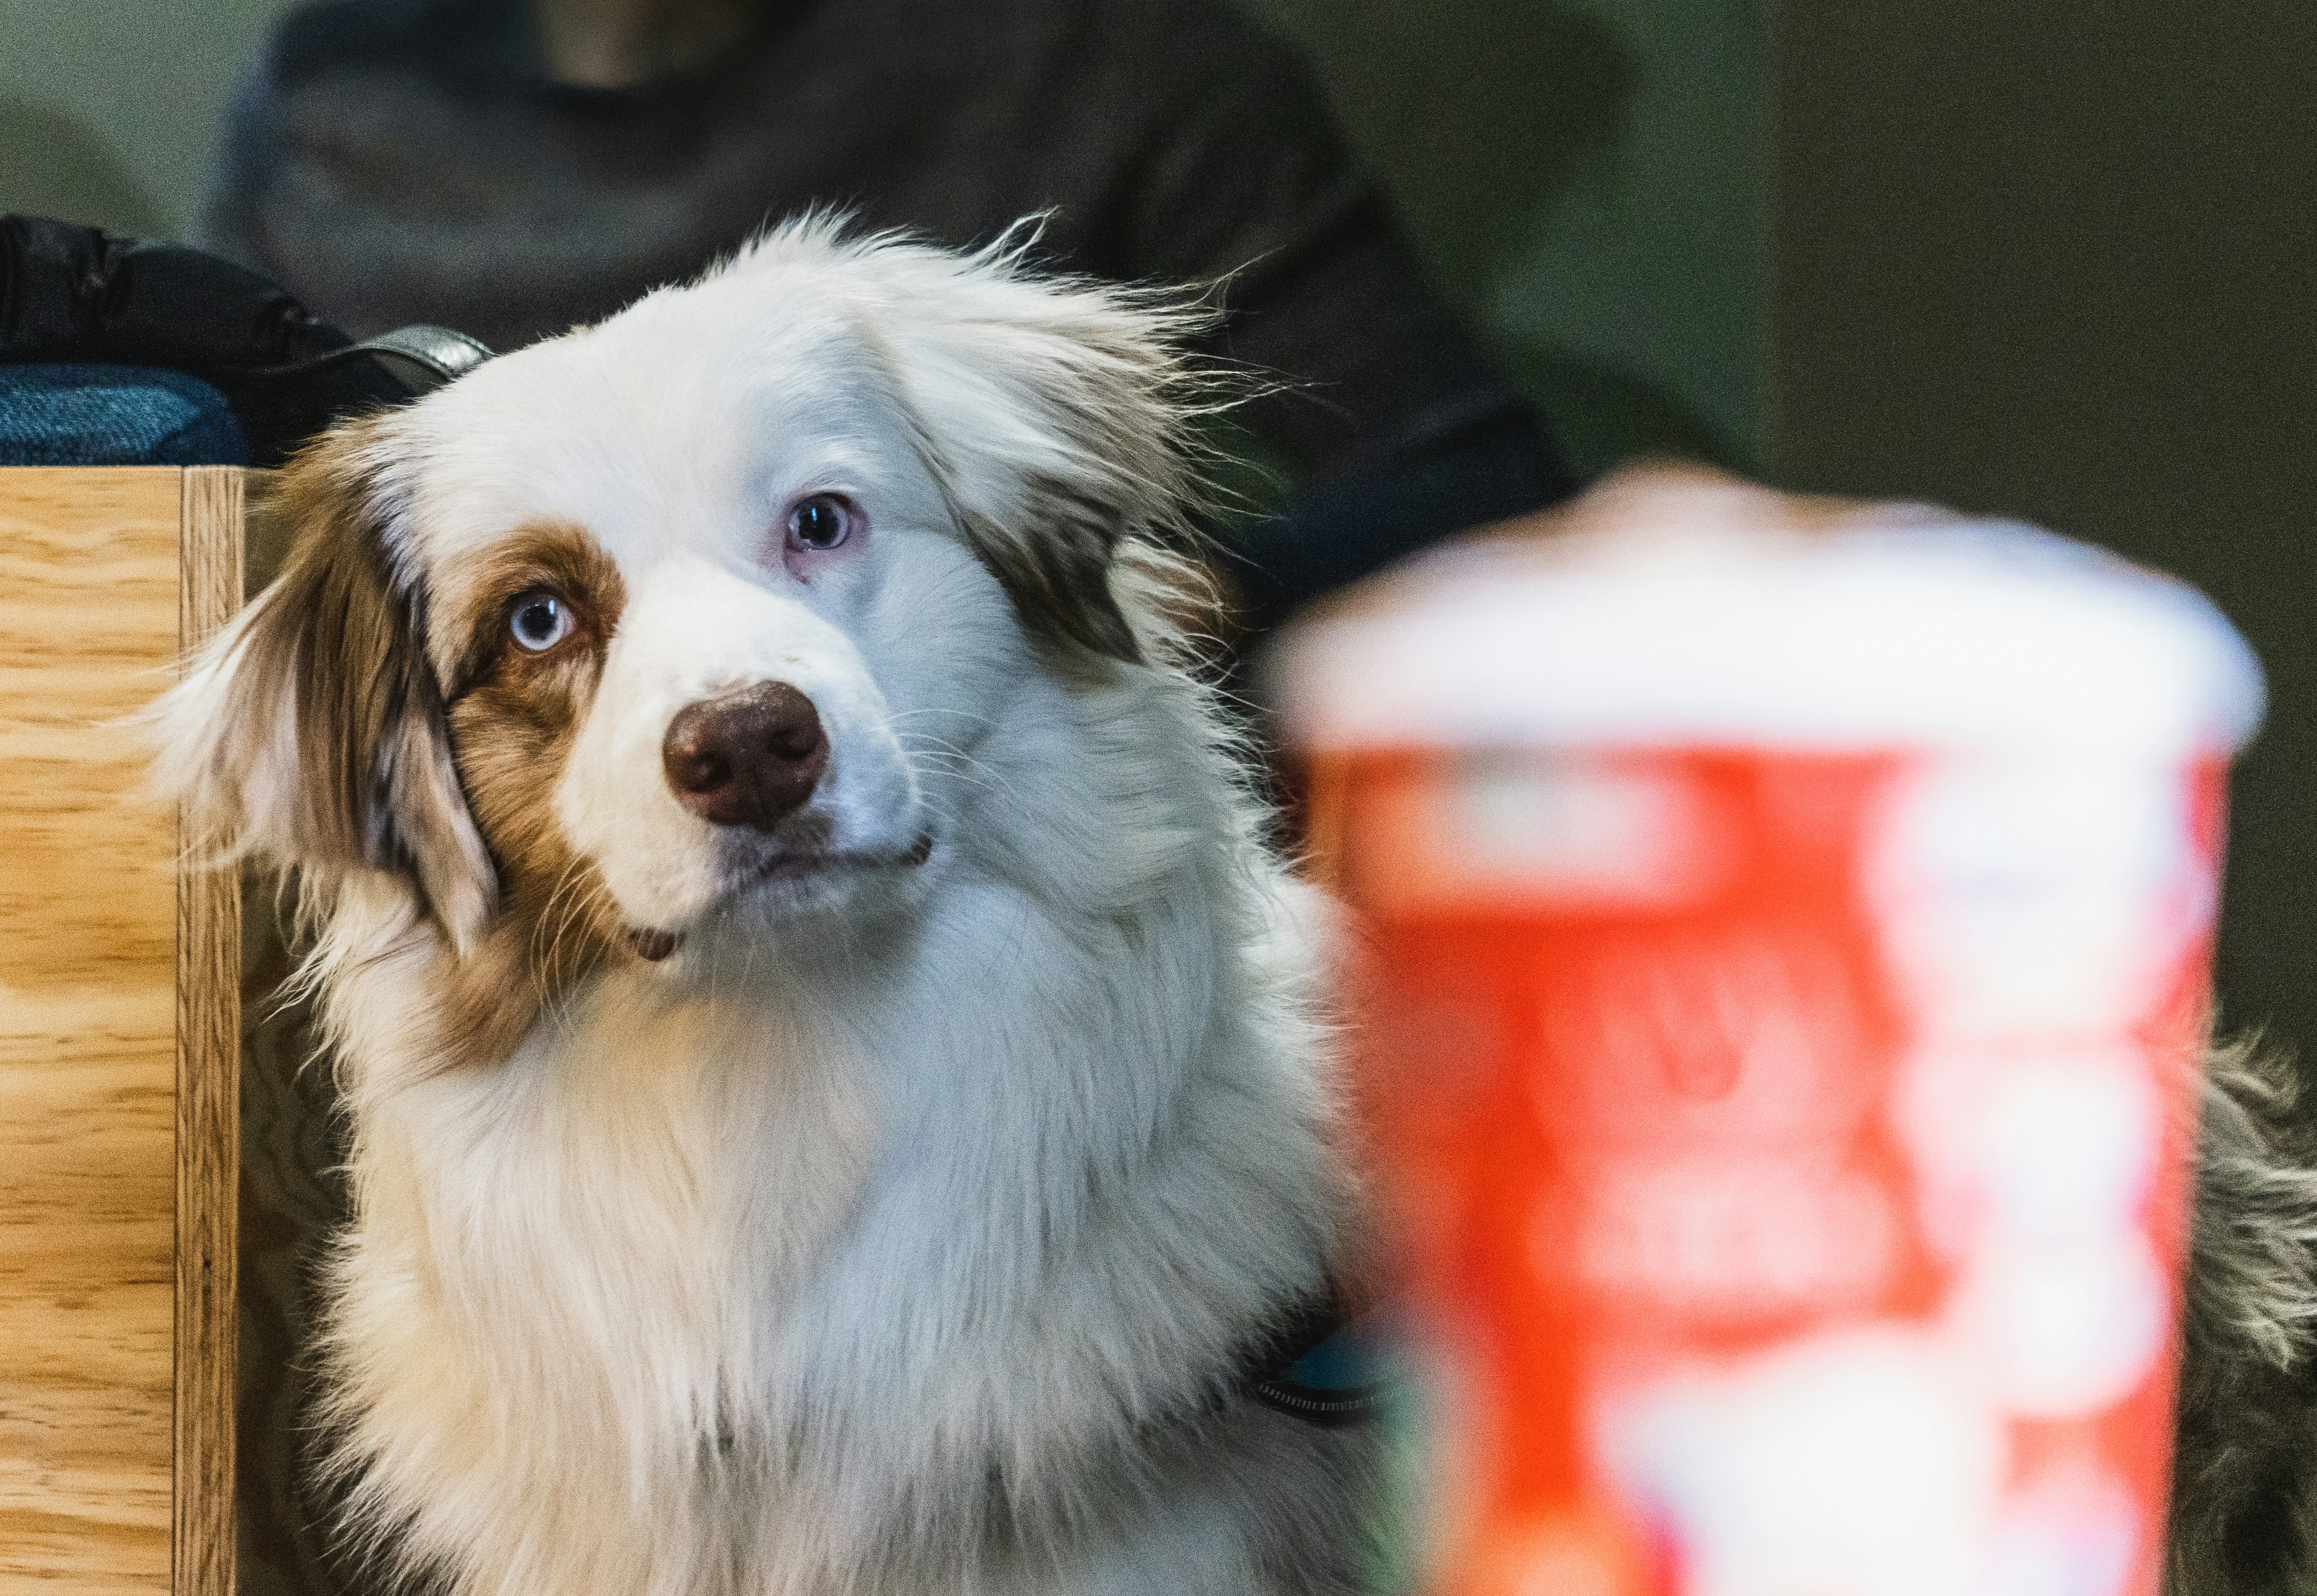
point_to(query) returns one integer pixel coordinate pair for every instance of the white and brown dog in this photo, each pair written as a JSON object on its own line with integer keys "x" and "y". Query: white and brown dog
{"x": 835, "y": 1096}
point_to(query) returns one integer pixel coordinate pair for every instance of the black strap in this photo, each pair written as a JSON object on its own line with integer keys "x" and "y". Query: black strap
{"x": 74, "y": 293}
{"x": 281, "y": 406}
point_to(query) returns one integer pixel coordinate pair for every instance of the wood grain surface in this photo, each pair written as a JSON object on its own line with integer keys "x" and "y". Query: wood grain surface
{"x": 89, "y": 628}
{"x": 209, "y": 1131}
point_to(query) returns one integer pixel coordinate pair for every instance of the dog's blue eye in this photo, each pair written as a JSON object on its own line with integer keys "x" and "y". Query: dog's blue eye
{"x": 821, "y": 521}
{"x": 540, "y": 620}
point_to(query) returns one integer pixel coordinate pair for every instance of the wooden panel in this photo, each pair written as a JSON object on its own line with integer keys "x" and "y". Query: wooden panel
{"x": 89, "y": 627}
{"x": 209, "y": 1131}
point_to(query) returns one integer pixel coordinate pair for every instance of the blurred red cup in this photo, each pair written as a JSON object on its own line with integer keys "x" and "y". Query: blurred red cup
{"x": 1781, "y": 959}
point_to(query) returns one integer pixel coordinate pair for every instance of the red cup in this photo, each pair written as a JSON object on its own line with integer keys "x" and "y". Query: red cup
{"x": 1781, "y": 963}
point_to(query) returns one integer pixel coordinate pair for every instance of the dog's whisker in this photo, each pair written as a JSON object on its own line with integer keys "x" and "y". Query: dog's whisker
{"x": 558, "y": 919}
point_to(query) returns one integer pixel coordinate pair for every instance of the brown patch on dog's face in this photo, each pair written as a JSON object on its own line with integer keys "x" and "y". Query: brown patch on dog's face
{"x": 514, "y": 711}
{"x": 1060, "y": 580}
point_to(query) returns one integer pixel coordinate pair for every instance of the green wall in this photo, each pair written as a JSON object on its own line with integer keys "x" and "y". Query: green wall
{"x": 1587, "y": 180}
{"x": 109, "y": 108}
{"x": 2060, "y": 261}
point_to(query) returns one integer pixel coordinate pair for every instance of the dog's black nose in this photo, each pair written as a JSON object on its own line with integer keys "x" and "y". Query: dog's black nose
{"x": 746, "y": 759}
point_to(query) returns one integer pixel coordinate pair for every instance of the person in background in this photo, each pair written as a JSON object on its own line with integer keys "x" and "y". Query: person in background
{"x": 513, "y": 167}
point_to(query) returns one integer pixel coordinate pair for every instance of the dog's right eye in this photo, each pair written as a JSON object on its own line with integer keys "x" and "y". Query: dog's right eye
{"x": 539, "y": 621}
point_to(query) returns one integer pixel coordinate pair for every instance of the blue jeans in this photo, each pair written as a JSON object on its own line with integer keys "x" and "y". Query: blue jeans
{"x": 110, "y": 415}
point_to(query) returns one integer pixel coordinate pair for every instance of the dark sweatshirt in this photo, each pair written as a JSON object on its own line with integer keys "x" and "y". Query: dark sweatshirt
{"x": 394, "y": 161}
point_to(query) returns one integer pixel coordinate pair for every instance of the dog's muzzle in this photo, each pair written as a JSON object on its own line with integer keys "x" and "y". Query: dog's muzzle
{"x": 747, "y": 759}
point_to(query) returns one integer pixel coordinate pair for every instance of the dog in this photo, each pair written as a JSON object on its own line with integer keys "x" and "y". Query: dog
{"x": 2244, "y": 1479}
{"x": 838, "y": 1095}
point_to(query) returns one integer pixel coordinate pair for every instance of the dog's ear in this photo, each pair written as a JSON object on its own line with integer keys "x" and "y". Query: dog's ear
{"x": 312, "y": 731}
{"x": 1057, "y": 414}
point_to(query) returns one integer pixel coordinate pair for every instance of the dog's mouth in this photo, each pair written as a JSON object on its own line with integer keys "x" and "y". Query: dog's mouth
{"x": 798, "y": 863}
{"x": 652, "y": 945}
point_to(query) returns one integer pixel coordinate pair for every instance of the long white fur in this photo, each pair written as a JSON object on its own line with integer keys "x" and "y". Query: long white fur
{"x": 891, "y": 1236}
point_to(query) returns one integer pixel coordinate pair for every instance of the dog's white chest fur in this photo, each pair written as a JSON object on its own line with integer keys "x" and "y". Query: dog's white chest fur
{"x": 779, "y": 1279}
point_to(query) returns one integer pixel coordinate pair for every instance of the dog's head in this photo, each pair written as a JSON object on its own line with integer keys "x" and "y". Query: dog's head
{"x": 685, "y": 620}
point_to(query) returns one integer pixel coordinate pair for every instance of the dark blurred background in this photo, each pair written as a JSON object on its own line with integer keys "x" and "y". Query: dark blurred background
{"x": 2038, "y": 259}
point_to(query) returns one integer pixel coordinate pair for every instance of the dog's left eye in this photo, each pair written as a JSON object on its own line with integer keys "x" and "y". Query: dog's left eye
{"x": 539, "y": 621}
{"x": 820, "y": 521}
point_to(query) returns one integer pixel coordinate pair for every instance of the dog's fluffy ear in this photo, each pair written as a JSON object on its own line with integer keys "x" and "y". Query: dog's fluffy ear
{"x": 312, "y": 731}
{"x": 1056, "y": 413}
